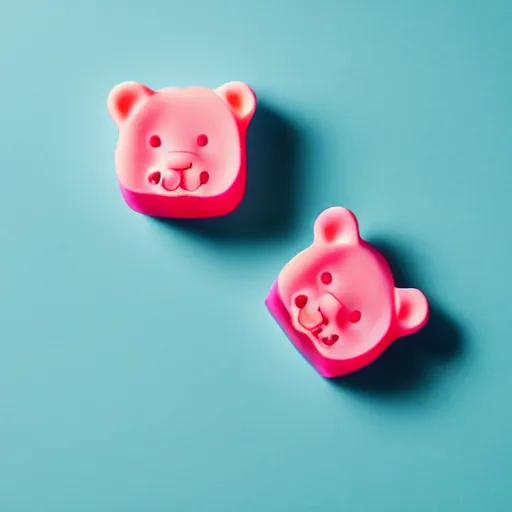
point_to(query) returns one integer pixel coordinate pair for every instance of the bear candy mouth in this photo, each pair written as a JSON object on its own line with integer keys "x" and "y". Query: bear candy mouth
{"x": 329, "y": 339}
{"x": 172, "y": 180}
{"x": 319, "y": 332}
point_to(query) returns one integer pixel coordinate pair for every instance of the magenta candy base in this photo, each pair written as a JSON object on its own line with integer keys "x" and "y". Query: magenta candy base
{"x": 187, "y": 207}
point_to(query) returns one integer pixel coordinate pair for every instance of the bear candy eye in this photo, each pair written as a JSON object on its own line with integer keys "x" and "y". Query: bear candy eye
{"x": 326, "y": 277}
{"x": 355, "y": 316}
{"x": 301, "y": 301}
{"x": 155, "y": 141}
{"x": 202, "y": 140}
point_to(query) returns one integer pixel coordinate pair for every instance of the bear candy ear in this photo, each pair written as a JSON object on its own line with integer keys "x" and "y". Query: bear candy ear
{"x": 411, "y": 310}
{"x": 124, "y": 97}
{"x": 241, "y": 99}
{"x": 336, "y": 225}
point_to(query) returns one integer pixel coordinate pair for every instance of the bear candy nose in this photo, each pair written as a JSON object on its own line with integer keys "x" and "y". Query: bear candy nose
{"x": 330, "y": 306}
{"x": 179, "y": 161}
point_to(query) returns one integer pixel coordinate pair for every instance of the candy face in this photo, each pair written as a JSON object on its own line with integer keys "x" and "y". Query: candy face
{"x": 337, "y": 302}
{"x": 181, "y": 151}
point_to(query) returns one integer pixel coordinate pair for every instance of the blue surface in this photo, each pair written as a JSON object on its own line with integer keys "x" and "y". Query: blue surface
{"x": 139, "y": 369}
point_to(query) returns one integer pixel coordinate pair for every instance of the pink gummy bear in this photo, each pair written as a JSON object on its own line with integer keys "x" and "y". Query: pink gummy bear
{"x": 337, "y": 301}
{"x": 181, "y": 151}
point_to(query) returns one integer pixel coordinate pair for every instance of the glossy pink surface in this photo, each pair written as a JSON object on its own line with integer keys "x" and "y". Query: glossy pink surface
{"x": 337, "y": 301}
{"x": 181, "y": 151}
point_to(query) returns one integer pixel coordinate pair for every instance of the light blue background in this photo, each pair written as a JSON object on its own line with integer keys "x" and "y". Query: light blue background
{"x": 139, "y": 369}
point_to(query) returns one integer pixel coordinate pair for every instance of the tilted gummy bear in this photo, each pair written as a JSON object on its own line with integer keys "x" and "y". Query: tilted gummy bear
{"x": 337, "y": 300}
{"x": 181, "y": 151}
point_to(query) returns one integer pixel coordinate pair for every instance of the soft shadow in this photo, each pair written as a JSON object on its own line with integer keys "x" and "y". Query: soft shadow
{"x": 274, "y": 174}
{"x": 410, "y": 364}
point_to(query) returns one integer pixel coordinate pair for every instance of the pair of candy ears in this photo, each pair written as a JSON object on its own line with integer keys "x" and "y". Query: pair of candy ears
{"x": 126, "y": 96}
{"x": 339, "y": 226}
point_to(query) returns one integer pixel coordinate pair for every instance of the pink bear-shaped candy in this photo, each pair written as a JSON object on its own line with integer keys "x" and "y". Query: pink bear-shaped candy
{"x": 337, "y": 301}
{"x": 181, "y": 151}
